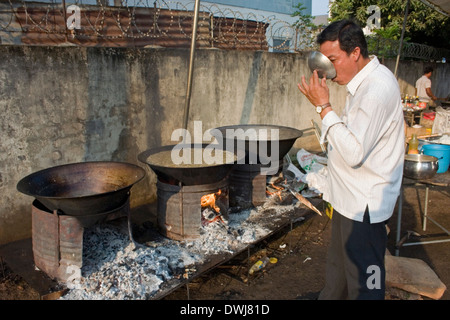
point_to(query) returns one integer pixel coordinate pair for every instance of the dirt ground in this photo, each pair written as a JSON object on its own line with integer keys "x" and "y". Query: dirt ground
{"x": 299, "y": 271}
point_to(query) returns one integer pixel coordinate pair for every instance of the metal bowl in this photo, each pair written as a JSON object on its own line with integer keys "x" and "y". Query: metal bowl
{"x": 420, "y": 166}
{"x": 323, "y": 65}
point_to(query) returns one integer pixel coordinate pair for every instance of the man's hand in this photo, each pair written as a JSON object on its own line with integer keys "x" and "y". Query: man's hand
{"x": 316, "y": 90}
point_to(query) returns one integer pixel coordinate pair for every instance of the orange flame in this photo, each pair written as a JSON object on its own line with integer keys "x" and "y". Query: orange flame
{"x": 276, "y": 187}
{"x": 278, "y": 193}
{"x": 209, "y": 200}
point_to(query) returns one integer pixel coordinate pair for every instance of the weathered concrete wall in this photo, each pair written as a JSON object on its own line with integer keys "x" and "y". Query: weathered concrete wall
{"x": 410, "y": 71}
{"x": 69, "y": 104}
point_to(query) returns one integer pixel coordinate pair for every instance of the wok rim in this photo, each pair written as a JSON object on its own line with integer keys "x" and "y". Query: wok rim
{"x": 143, "y": 156}
{"x": 24, "y": 180}
{"x": 296, "y": 133}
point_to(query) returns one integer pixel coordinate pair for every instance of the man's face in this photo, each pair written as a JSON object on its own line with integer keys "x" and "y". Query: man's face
{"x": 345, "y": 65}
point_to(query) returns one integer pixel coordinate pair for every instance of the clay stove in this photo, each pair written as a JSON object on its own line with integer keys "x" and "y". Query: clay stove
{"x": 182, "y": 210}
{"x": 248, "y": 185}
{"x": 69, "y": 198}
{"x": 182, "y": 189}
{"x": 57, "y": 239}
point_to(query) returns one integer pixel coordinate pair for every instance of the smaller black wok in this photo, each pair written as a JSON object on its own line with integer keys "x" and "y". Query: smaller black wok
{"x": 257, "y": 148}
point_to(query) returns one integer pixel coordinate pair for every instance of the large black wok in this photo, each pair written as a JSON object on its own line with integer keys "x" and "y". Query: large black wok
{"x": 169, "y": 172}
{"x": 250, "y": 139}
{"x": 83, "y": 189}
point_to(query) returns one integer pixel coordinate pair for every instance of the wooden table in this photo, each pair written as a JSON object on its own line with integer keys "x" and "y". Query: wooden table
{"x": 440, "y": 180}
{"x": 411, "y": 116}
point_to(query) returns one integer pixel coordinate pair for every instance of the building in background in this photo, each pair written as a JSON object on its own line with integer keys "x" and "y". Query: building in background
{"x": 226, "y": 24}
{"x": 276, "y": 13}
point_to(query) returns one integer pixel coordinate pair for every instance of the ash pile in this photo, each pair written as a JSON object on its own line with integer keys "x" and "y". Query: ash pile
{"x": 114, "y": 268}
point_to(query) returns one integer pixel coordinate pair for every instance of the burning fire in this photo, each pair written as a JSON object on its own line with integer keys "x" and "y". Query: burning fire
{"x": 209, "y": 200}
{"x": 278, "y": 193}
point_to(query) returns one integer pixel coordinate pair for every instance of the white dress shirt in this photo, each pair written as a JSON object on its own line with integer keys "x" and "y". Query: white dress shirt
{"x": 366, "y": 146}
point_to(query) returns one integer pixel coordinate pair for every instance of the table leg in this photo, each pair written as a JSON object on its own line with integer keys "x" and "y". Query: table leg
{"x": 399, "y": 221}
{"x": 425, "y": 211}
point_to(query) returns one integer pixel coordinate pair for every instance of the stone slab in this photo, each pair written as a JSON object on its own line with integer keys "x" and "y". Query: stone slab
{"x": 413, "y": 275}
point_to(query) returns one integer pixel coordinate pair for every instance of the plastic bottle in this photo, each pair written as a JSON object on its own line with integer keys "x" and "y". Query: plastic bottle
{"x": 259, "y": 265}
{"x": 413, "y": 145}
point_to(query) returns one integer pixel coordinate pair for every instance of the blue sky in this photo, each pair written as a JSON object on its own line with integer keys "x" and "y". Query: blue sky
{"x": 319, "y": 7}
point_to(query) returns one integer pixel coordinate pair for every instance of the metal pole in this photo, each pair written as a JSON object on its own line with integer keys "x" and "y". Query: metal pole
{"x": 399, "y": 221}
{"x": 191, "y": 65}
{"x": 401, "y": 38}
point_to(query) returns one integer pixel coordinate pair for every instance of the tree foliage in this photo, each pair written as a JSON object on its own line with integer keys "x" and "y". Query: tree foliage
{"x": 424, "y": 25}
{"x": 304, "y": 26}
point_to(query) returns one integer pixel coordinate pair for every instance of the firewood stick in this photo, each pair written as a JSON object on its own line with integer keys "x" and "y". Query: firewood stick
{"x": 303, "y": 200}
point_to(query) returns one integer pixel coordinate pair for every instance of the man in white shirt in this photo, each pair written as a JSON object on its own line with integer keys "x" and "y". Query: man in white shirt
{"x": 423, "y": 87}
{"x": 365, "y": 161}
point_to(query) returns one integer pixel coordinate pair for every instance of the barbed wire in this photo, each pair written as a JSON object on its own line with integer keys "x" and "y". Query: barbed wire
{"x": 388, "y": 48}
{"x": 169, "y": 23}
{"x": 139, "y": 19}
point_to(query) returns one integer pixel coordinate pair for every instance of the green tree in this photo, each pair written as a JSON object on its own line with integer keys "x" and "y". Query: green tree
{"x": 304, "y": 27}
{"x": 424, "y": 25}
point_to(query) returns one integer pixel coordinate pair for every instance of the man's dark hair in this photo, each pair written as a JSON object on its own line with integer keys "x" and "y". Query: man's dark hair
{"x": 349, "y": 34}
{"x": 427, "y": 69}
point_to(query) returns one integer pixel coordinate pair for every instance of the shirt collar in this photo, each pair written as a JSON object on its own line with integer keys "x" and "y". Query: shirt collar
{"x": 362, "y": 74}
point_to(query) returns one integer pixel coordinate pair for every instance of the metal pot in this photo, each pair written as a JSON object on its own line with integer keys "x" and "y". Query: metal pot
{"x": 420, "y": 166}
{"x": 323, "y": 65}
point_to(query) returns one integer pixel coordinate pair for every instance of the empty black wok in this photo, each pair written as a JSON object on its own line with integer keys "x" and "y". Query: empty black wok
{"x": 169, "y": 172}
{"x": 258, "y": 148}
{"x": 83, "y": 189}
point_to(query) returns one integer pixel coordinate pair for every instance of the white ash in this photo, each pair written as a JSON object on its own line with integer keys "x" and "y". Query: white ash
{"x": 113, "y": 268}
{"x": 229, "y": 235}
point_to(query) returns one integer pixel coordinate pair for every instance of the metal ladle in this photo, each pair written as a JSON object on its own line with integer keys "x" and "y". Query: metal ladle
{"x": 323, "y": 65}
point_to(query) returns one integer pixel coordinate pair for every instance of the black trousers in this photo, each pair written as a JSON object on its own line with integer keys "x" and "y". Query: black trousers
{"x": 355, "y": 261}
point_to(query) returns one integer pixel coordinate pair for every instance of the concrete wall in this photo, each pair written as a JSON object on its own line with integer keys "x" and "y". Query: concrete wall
{"x": 62, "y": 105}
